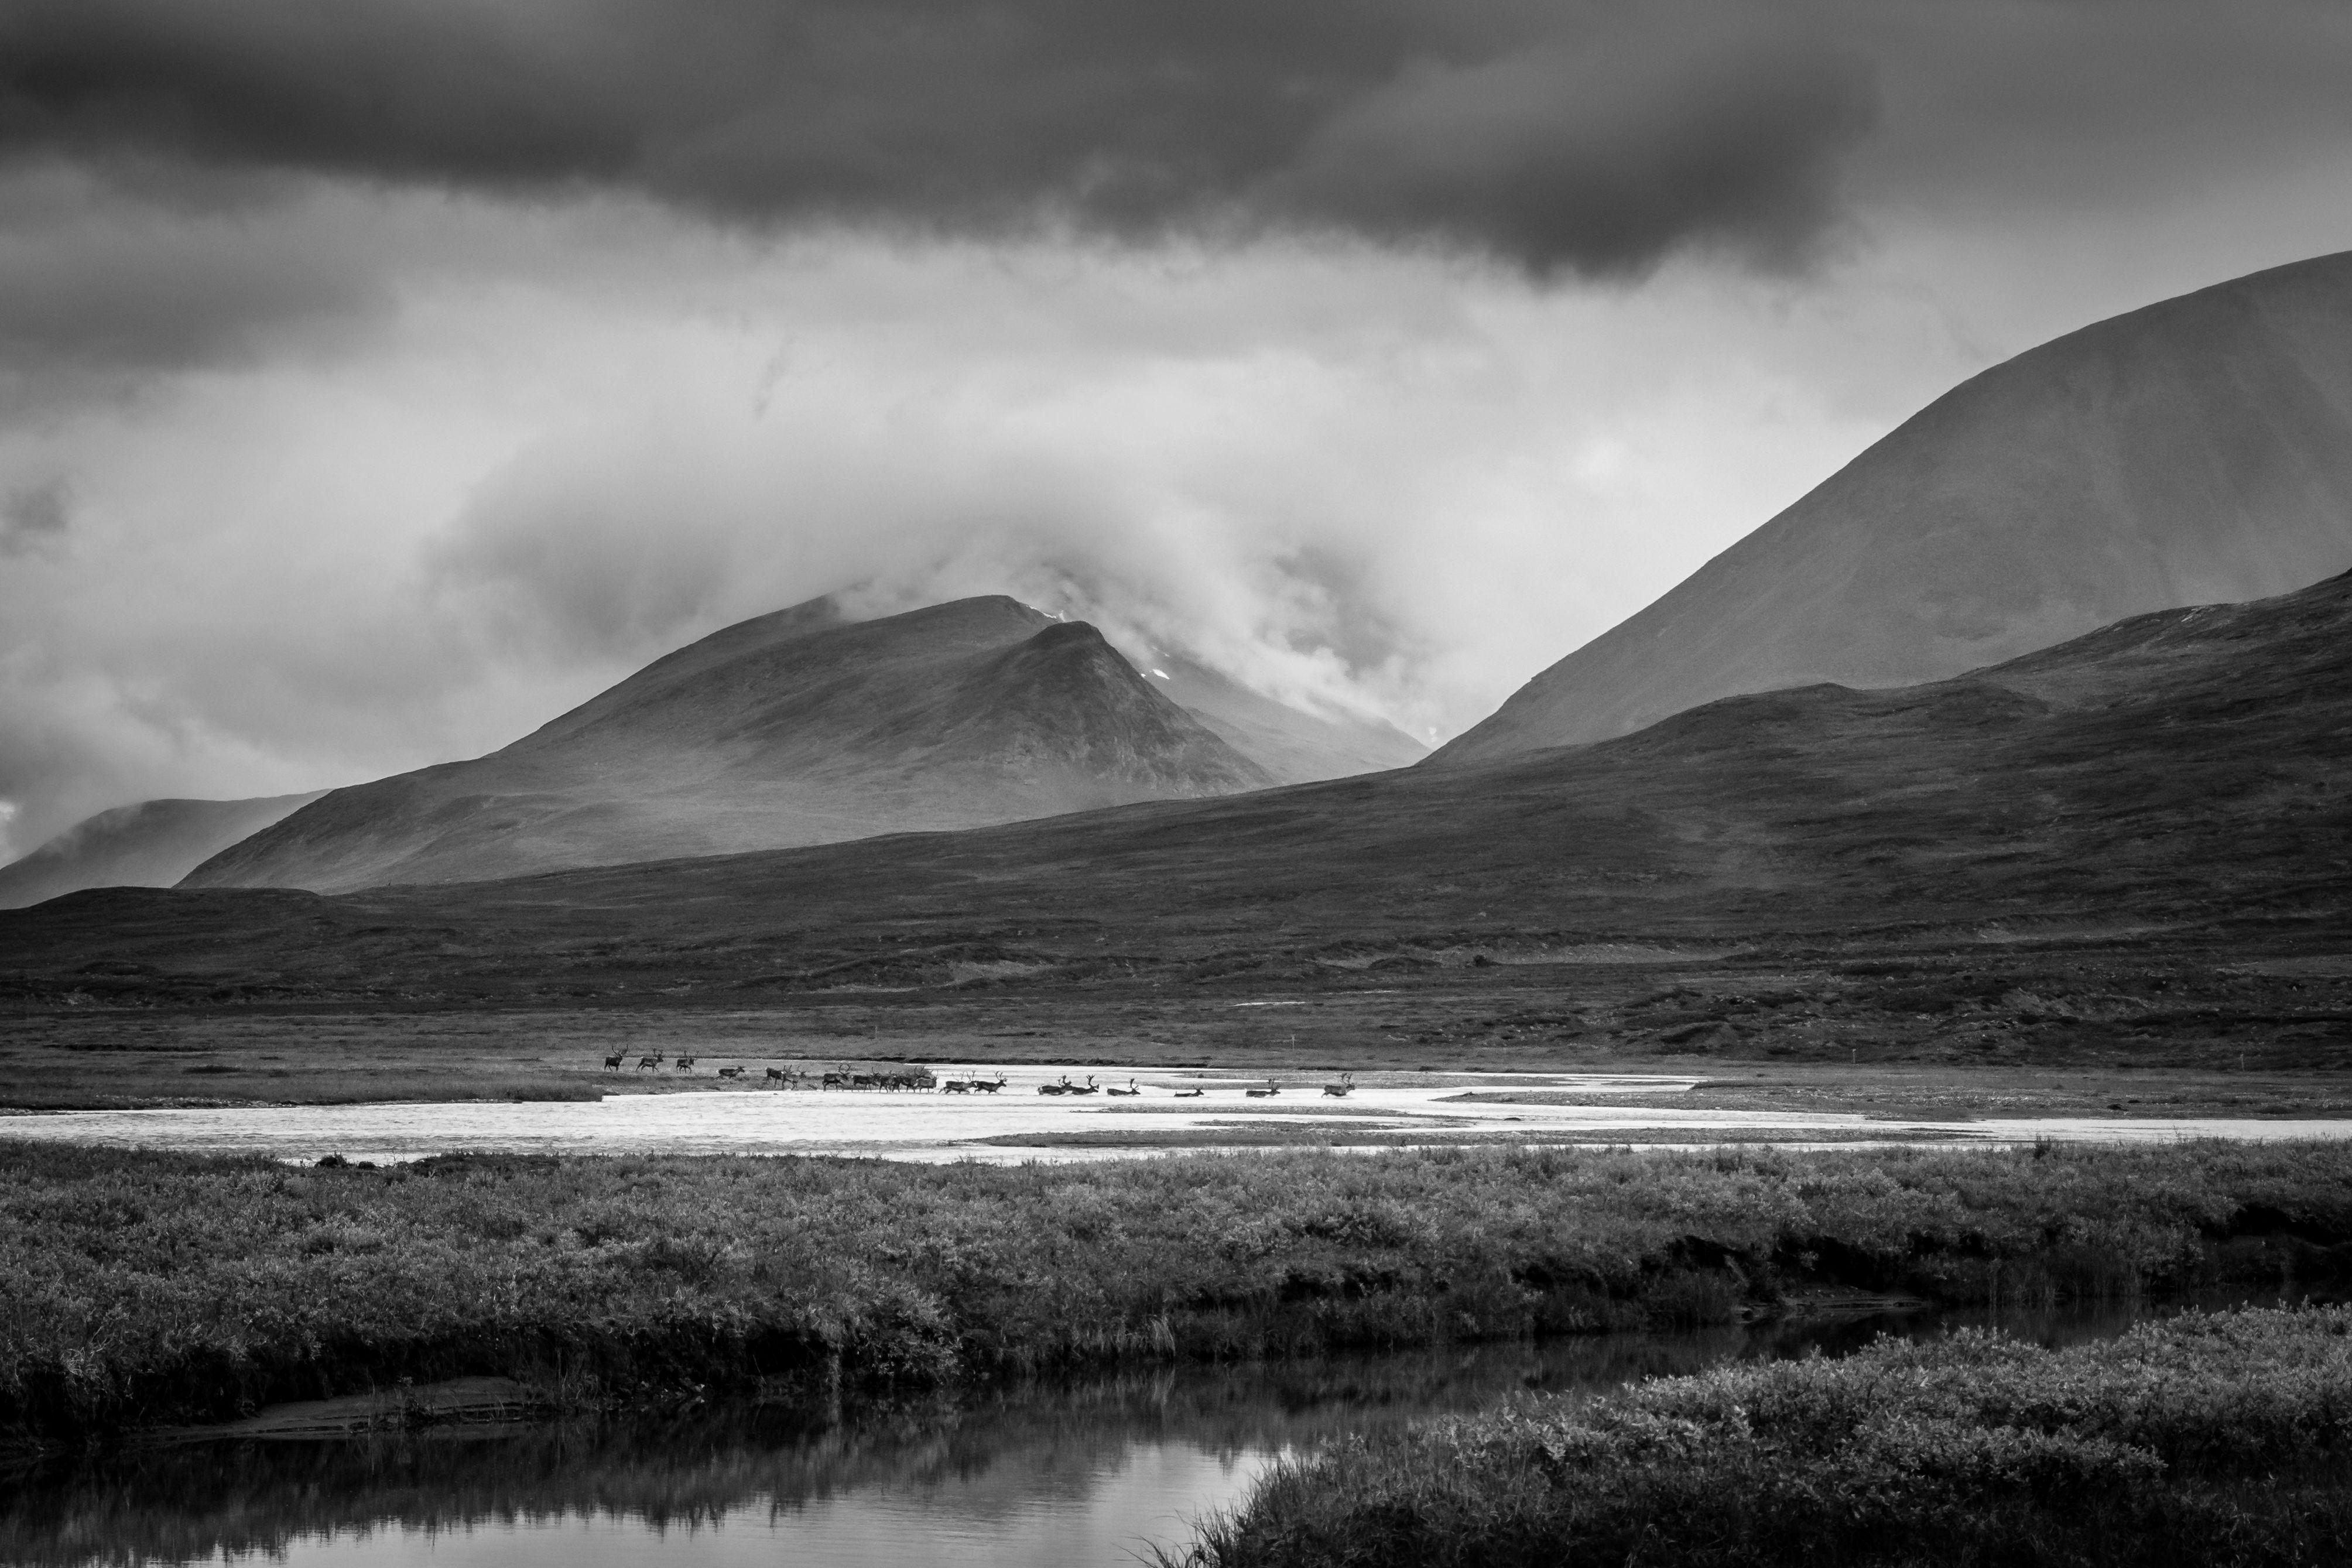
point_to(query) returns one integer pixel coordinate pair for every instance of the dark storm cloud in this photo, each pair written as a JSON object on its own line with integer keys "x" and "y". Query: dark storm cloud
{"x": 1600, "y": 156}
{"x": 90, "y": 285}
{"x": 1589, "y": 138}
{"x": 2093, "y": 104}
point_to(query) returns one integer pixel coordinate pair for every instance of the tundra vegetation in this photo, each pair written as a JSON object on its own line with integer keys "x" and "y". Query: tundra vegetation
{"x": 2032, "y": 1032}
{"x": 150, "y": 1289}
{"x": 2199, "y": 1439}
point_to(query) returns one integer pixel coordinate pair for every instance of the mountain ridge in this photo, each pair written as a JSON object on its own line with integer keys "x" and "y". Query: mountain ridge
{"x": 798, "y": 727}
{"x": 2177, "y": 776}
{"x": 149, "y": 843}
{"x": 2196, "y": 450}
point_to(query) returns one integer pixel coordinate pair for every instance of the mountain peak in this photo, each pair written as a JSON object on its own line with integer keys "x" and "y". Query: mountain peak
{"x": 800, "y": 727}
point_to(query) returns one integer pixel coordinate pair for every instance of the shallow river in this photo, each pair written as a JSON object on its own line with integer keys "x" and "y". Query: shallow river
{"x": 1019, "y": 1123}
{"x": 1078, "y": 1475}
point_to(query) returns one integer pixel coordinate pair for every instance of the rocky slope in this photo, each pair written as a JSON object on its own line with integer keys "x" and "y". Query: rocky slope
{"x": 2197, "y": 450}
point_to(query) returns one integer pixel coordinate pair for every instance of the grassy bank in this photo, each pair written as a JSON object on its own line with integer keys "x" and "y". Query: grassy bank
{"x": 2202, "y": 1440}
{"x": 148, "y": 1287}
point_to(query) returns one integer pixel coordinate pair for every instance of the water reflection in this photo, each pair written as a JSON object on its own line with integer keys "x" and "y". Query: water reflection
{"x": 1078, "y": 1473}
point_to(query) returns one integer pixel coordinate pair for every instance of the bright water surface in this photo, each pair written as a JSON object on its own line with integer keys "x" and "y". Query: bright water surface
{"x": 1074, "y": 1475}
{"x": 1387, "y": 1107}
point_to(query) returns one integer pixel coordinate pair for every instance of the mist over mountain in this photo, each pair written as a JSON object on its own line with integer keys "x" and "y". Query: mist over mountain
{"x": 152, "y": 844}
{"x": 800, "y": 727}
{"x": 2195, "y": 451}
{"x": 1292, "y": 746}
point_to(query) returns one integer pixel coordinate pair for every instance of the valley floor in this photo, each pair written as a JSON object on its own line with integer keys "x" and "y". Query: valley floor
{"x": 2079, "y": 1029}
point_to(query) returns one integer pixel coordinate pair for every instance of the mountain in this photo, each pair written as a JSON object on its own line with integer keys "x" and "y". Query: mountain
{"x": 1293, "y": 746}
{"x": 800, "y": 727}
{"x": 152, "y": 844}
{"x": 2197, "y": 450}
{"x": 2177, "y": 778}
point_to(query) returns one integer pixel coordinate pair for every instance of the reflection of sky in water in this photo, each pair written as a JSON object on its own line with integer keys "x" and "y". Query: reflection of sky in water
{"x": 1144, "y": 1492}
{"x": 1082, "y": 1474}
{"x": 936, "y": 1126}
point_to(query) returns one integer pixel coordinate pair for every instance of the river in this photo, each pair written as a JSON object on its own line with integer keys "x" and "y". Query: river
{"x": 1089, "y": 1474}
{"x": 1017, "y": 1122}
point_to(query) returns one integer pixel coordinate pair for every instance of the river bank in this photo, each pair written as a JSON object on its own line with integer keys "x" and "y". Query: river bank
{"x": 154, "y": 1289}
{"x": 2200, "y": 1439}
{"x": 1063, "y": 1471}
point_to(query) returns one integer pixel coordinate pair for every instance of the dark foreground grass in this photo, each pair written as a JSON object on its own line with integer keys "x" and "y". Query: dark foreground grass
{"x": 2195, "y": 1440}
{"x": 145, "y": 1289}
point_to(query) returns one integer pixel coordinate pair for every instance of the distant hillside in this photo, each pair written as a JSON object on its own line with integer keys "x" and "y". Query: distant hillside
{"x": 796, "y": 728}
{"x": 2196, "y": 451}
{"x": 1292, "y": 746}
{"x": 2181, "y": 776}
{"x": 152, "y": 844}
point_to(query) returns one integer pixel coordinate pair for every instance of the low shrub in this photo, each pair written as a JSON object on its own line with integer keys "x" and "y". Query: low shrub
{"x": 144, "y": 1288}
{"x": 2200, "y": 1439}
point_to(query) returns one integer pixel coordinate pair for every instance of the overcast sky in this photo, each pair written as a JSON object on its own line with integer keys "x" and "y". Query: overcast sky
{"x": 379, "y": 378}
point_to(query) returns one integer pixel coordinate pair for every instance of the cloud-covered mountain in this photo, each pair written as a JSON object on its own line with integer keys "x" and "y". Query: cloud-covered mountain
{"x": 2195, "y": 451}
{"x": 1292, "y": 746}
{"x": 799, "y": 727}
{"x": 152, "y": 844}
{"x": 2174, "y": 782}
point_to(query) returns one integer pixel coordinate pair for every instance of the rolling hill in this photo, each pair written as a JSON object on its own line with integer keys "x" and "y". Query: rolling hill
{"x": 796, "y": 728}
{"x": 2183, "y": 775}
{"x": 152, "y": 844}
{"x": 2197, "y": 450}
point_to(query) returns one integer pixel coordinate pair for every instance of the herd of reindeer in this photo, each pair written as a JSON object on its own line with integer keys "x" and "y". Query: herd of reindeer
{"x": 792, "y": 1078}
{"x": 921, "y": 1079}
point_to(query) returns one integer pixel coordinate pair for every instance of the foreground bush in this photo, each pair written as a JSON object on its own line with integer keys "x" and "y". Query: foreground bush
{"x": 164, "y": 1287}
{"x": 2196, "y": 1440}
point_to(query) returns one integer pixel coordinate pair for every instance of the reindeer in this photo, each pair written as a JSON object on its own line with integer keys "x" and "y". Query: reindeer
{"x": 1341, "y": 1089}
{"x": 613, "y": 1062}
{"x": 780, "y": 1077}
{"x": 987, "y": 1085}
{"x": 1129, "y": 1092}
{"x": 731, "y": 1072}
{"x": 686, "y": 1064}
{"x": 645, "y": 1063}
{"x": 1270, "y": 1089}
{"x": 956, "y": 1086}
